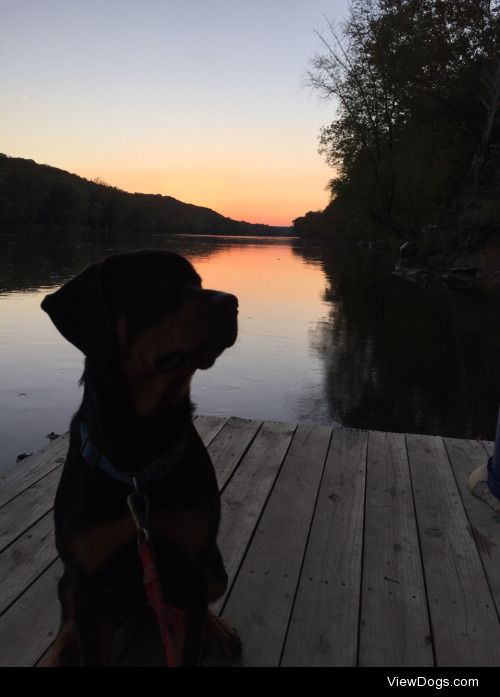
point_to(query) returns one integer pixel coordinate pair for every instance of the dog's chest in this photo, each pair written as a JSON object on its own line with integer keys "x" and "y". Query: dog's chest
{"x": 190, "y": 531}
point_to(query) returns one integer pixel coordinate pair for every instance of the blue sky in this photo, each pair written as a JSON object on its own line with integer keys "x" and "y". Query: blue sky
{"x": 205, "y": 101}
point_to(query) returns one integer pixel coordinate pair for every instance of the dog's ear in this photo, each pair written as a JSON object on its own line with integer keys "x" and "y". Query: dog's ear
{"x": 81, "y": 312}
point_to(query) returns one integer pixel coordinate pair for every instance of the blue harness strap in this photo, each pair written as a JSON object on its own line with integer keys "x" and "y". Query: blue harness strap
{"x": 94, "y": 457}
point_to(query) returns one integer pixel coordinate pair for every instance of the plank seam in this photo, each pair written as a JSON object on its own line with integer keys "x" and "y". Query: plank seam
{"x": 46, "y": 474}
{"x": 471, "y": 527}
{"x": 429, "y": 614}
{"x": 485, "y": 448}
{"x": 257, "y": 523}
{"x": 35, "y": 522}
{"x": 362, "y": 562}
{"x": 38, "y": 576}
{"x": 44, "y": 651}
{"x": 226, "y": 419}
{"x": 235, "y": 468}
{"x": 20, "y": 595}
{"x": 304, "y": 554}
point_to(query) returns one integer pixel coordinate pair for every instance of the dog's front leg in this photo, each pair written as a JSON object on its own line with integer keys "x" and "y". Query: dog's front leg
{"x": 95, "y": 632}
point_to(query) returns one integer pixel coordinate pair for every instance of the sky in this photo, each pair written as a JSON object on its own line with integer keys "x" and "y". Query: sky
{"x": 203, "y": 100}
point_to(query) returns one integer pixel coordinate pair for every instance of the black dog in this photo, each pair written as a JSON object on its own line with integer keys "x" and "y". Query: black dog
{"x": 145, "y": 325}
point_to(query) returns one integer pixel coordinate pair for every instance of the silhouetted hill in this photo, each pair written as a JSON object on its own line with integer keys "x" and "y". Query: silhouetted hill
{"x": 33, "y": 194}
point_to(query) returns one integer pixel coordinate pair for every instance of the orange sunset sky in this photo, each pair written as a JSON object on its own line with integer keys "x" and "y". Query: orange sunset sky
{"x": 205, "y": 101}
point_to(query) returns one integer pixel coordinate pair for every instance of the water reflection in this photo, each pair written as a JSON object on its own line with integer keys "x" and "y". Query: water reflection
{"x": 326, "y": 335}
{"x": 29, "y": 261}
{"x": 398, "y": 357}
{"x": 270, "y": 373}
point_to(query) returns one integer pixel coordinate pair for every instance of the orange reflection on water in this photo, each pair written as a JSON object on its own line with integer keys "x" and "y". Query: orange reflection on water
{"x": 269, "y": 281}
{"x": 272, "y": 372}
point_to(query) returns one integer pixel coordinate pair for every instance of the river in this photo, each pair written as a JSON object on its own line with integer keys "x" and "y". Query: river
{"x": 326, "y": 335}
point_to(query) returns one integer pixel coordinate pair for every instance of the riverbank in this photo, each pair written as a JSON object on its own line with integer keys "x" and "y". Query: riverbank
{"x": 460, "y": 270}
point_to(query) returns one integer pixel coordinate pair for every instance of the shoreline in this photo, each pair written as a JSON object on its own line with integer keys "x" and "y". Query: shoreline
{"x": 476, "y": 271}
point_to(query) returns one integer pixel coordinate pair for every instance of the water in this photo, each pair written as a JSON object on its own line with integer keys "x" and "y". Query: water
{"x": 326, "y": 335}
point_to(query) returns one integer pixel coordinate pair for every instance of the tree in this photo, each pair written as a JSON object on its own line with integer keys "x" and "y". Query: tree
{"x": 417, "y": 88}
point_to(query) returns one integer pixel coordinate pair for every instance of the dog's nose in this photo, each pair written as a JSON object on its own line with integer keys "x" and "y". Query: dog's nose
{"x": 224, "y": 301}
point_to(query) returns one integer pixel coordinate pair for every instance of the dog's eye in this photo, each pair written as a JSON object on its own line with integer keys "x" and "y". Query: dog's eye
{"x": 169, "y": 361}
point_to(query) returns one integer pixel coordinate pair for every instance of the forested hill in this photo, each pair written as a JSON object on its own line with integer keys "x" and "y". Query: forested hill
{"x": 33, "y": 194}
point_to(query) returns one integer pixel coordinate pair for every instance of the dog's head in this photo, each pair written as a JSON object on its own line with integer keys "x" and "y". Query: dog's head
{"x": 147, "y": 314}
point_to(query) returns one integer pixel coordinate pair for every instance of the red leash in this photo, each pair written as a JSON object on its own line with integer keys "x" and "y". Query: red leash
{"x": 170, "y": 618}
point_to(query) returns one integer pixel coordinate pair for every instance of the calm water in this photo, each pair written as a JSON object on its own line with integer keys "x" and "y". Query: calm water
{"x": 325, "y": 336}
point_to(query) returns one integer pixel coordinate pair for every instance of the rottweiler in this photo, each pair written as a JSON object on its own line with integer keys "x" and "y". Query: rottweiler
{"x": 145, "y": 325}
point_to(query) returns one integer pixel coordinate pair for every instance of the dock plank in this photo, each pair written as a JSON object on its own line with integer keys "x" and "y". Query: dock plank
{"x": 394, "y": 627}
{"x": 355, "y": 572}
{"x": 324, "y": 625}
{"x": 32, "y": 469}
{"x": 465, "y": 456}
{"x": 208, "y": 427}
{"x": 244, "y": 498}
{"x": 33, "y": 500}
{"x": 28, "y": 507}
{"x": 241, "y": 505}
{"x": 229, "y": 446}
{"x": 29, "y": 626}
{"x": 465, "y": 628}
{"x": 261, "y": 600}
{"x": 489, "y": 446}
{"x": 26, "y": 559}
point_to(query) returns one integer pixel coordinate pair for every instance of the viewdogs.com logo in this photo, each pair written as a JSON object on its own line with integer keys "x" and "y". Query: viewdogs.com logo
{"x": 437, "y": 683}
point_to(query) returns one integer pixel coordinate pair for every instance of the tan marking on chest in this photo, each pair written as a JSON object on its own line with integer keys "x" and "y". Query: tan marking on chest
{"x": 94, "y": 547}
{"x": 156, "y": 388}
{"x": 189, "y": 530}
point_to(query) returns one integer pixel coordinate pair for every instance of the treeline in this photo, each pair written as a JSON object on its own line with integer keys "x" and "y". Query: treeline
{"x": 415, "y": 143}
{"x": 33, "y": 194}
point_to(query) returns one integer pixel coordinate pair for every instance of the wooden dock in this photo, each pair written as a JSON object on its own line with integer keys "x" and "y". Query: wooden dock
{"x": 343, "y": 547}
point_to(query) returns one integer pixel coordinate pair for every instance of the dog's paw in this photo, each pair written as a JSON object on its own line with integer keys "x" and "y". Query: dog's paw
{"x": 222, "y": 639}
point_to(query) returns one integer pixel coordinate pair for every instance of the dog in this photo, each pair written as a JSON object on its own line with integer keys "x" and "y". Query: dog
{"x": 145, "y": 325}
